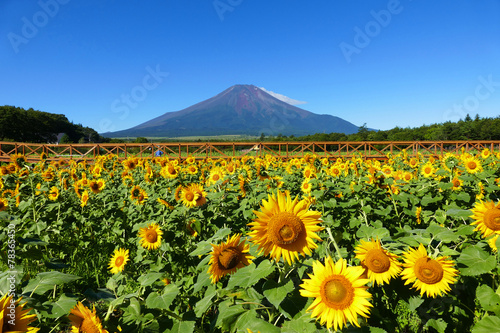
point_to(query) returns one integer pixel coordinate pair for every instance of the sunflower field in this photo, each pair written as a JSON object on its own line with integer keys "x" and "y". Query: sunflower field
{"x": 255, "y": 244}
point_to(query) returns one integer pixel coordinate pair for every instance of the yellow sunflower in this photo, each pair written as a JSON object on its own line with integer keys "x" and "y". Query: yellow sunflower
{"x": 381, "y": 266}
{"x": 457, "y": 184}
{"x": 84, "y": 199}
{"x": 4, "y": 204}
{"x": 227, "y": 258}
{"x": 285, "y": 228}
{"x": 430, "y": 276}
{"x": 138, "y": 195}
{"x": 150, "y": 236}
{"x": 169, "y": 171}
{"x": 20, "y": 320}
{"x": 306, "y": 186}
{"x": 485, "y": 153}
{"x": 188, "y": 197}
{"x": 198, "y": 190}
{"x": 428, "y": 170}
{"x": 486, "y": 217}
{"x": 216, "y": 174}
{"x": 83, "y": 320}
{"x": 118, "y": 260}
{"x": 492, "y": 242}
{"x": 418, "y": 214}
{"x": 53, "y": 193}
{"x": 339, "y": 293}
{"x": 472, "y": 165}
{"x": 97, "y": 185}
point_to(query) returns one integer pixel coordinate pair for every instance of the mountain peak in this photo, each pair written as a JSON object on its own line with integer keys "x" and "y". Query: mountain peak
{"x": 240, "y": 109}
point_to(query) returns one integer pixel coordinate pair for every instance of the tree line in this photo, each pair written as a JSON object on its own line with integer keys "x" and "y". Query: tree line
{"x": 464, "y": 129}
{"x": 18, "y": 124}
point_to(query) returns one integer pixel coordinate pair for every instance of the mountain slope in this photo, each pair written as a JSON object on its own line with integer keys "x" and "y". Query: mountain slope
{"x": 240, "y": 109}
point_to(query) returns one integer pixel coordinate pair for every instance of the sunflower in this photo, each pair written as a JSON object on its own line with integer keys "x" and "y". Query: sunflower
{"x": 428, "y": 170}
{"x": 381, "y": 265}
{"x": 130, "y": 163}
{"x": 472, "y": 165}
{"x": 339, "y": 293}
{"x": 97, "y": 185}
{"x": 285, "y": 228}
{"x": 53, "y": 193}
{"x": 4, "y": 204}
{"x": 150, "y": 236}
{"x": 83, "y": 320}
{"x": 21, "y": 320}
{"x": 457, "y": 183}
{"x": 169, "y": 171}
{"x": 216, "y": 174}
{"x": 492, "y": 242}
{"x": 431, "y": 276}
{"x": 118, "y": 260}
{"x": 138, "y": 195}
{"x": 165, "y": 203}
{"x": 84, "y": 199}
{"x": 227, "y": 258}
{"x": 192, "y": 169}
{"x": 188, "y": 197}
{"x": 200, "y": 192}
{"x": 306, "y": 186}
{"x": 485, "y": 153}
{"x": 486, "y": 217}
{"x": 418, "y": 214}
{"x": 309, "y": 172}
{"x": 48, "y": 175}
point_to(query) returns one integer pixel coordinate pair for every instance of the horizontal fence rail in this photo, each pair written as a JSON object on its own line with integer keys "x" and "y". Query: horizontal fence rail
{"x": 201, "y": 150}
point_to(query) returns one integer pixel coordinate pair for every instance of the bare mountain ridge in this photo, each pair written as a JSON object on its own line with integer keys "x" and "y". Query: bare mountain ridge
{"x": 240, "y": 109}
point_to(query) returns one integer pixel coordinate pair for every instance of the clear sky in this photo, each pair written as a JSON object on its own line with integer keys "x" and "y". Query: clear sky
{"x": 111, "y": 65}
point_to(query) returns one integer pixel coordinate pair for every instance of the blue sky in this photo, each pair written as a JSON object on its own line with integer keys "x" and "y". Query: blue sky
{"x": 111, "y": 65}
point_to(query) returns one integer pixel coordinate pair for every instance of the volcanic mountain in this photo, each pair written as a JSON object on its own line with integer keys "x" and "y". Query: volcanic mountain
{"x": 240, "y": 109}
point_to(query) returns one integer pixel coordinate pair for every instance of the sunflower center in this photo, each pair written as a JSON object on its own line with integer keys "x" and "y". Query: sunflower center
{"x": 285, "y": 228}
{"x": 456, "y": 183}
{"x": 151, "y": 236}
{"x": 119, "y": 261}
{"x": 429, "y": 271}
{"x": 189, "y": 196}
{"x": 377, "y": 261}
{"x": 229, "y": 258}
{"x": 215, "y": 177}
{"x": 135, "y": 193}
{"x": 337, "y": 292}
{"x": 492, "y": 219}
{"x": 88, "y": 326}
{"x": 428, "y": 170}
{"x": 472, "y": 165}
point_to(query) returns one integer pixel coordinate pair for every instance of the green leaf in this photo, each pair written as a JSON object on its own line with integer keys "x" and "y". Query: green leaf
{"x": 464, "y": 196}
{"x": 459, "y": 212}
{"x": 162, "y": 301}
{"x": 183, "y": 327}
{"x": 203, "y": 280}
{"x": 489, "y": 300}
{"x": 228, "y": 313}
{"x": 487, "y": 325}
{"x": 149, "y": 278}
{"x": 203, "y": 304}
{"x": 276, "y": 292}
{"x": 202, "y": 248}
{"x": 415, "y": 302}
{"x": 46, "y": 281}
{"x": 62, "y": 306}
{"x": 476, "y": 261}
{"x": 439, "y": 324}
{"x": 300, "y": 325}
{"x": 249, "y": 320}
{"x": 263, "y": 270}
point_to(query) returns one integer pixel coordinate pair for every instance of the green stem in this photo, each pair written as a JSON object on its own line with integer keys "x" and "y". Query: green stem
{"x": 329, "y": 231}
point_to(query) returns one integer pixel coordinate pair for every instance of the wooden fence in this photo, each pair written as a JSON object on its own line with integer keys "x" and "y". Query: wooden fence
{"x": 200, "y": 150}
